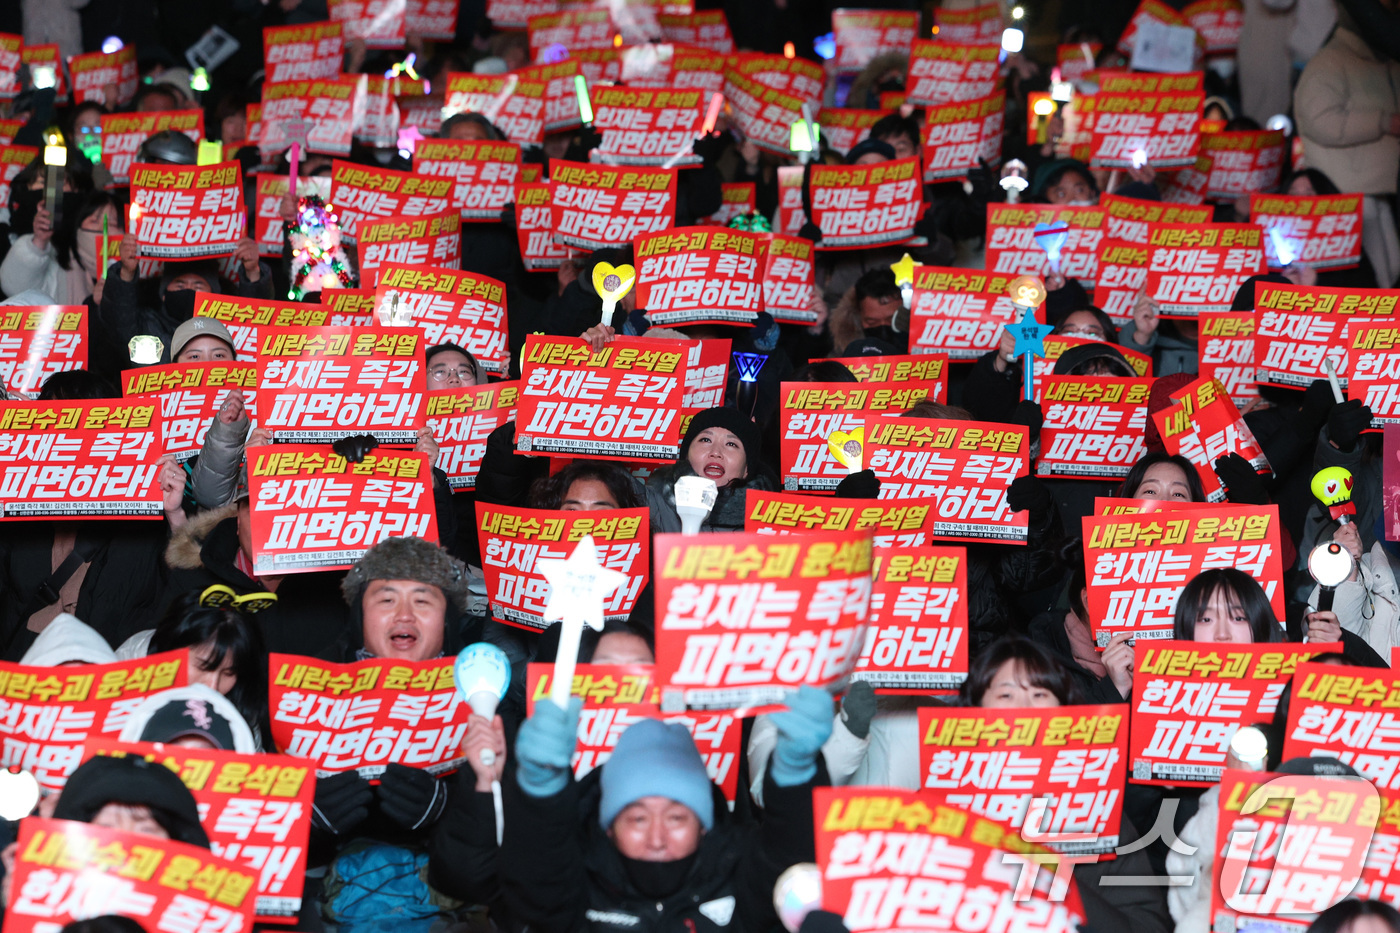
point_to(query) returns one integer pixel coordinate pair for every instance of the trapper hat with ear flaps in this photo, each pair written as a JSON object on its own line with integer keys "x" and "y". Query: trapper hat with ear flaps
{"x": 407, "y": 559}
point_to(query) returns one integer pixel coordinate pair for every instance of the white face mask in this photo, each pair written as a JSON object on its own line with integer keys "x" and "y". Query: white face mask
{"x": 1079, "y": 203}
{"x": 1085, "y": 335}
{"x": 87, "y": 249}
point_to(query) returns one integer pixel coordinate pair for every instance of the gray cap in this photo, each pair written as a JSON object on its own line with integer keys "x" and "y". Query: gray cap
{"x": 199, "y": 327}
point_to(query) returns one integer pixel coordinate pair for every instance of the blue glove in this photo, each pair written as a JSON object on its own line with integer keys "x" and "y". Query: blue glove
{"x": 544, "y": 748}
{"x": 803, "y": 729}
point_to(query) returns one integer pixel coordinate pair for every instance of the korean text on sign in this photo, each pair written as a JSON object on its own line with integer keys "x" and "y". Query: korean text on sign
{"x": 700, "y": 275}
{"x": 187, "y": 212}
{"x": 190, "y": 395}
{"x": 323, "y": 112}
{"x": 416, "y": 241}
{"x": 595, "y": 207}
{"x": 1322, "y": 231}
{"x": 866, "y": 205}
{"x": 243, "y": 316}
{"x": 363, "y": 193}
{"x": 1204, "y": 425}
{"x": 1093, "y": 426}
{"x": 484, "y": 174}
{"x": 38, "y": 341}
{"x": 904, "y": 523}
{"x": 916, "y": 641}
{"x": 960, "y": 312}
{"x": 1012, "y": 249}
{"x": 1299, "y": 326}
{"x": 1225, "y": 352}
{"x": 1199, "y": 267}
{"x": 901, "y": 368}
{"x": 1375, "y": 369}
{"x": 462, "y": 419}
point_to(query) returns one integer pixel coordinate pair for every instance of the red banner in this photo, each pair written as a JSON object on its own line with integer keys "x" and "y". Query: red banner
{"x": 1059, "y": 771}
{"x": 1203, "y": 426}
{"x": 863, "y": 34}
{"x": 614, "y": 697}
{"x": 789, "y": 279}
{"x": 515, "y": 14}
{"x": 309, "y": 52}
{"x": 959, "y": 137}
{"x": 1218, "y": 22}
{"x": 967, "y": 26}
{"x": 1012, "y": 248}
{"x": 514, "y": 104}
{"x": 1155, "y": 117}
{"x": 1137, "y": 565}
{"x": 647, "y": 126}
{"x": 1323, "y": 232}
{"x": 380, "y": 23}
{"x": 1093, "y": 426}
{"x": 744, "y": 619}
{"x": 97, "y": 73}
{"x": 123, "y": 134}
{"x": 1346, "y": 714}
{"x": 1299, "y": 326}
{"x": 917, "y": 637}
{"x": 1190, "y": 697}
{"x": 38, "y": 341}
{"x": 348, "y": 307}
{"x": 796, "y": 76}
{"x": 947, "y": 72}
{"x": 922, "y": 368}
{"x": 66, "y": 459}
{"x": 1122, "y": 277}
{"x": 416, "y": 241}
{"x": 815, "y": 417}
{"x": 319, "y": 384}
{"x": 448, "y": 307}
{"x": 1199, "y": 267}
{"x": 1129, "y": 219}
{"x": 700, "y": 276}
{"x": 842, "y": 129}
{"x": 534, "y": 228}
{"x": 66, "y": 871}
{"x": 243, "y": 317}
{"x": 431, "y": 19}
{"x": 560, "y": 99}
{"x": 484, "y": 174}
{"x": 707, "y": 29}
{"x": 267, "y": 223}
{"x": 13, "y": 160}
{"x": 366, "y": 193}
{"x": 871, "y": 848}
{"x": 256, "y": 810}
{"x": 687, "y": 67}
{"x": 764, "y": 114}
{"x": 598, "y": 207}
{"x": 577, "y": 28}
{"x": 1242, "y": 162}
{"x": 1076, "y": 61}
{"x": 1225, "y": 352}
{"x": 462, "y": 419}
{"x": 368, "y": 714}
{"x": 313, "y": 510}
{"x": 10, "y": 50}
{"x": 190, "y": 396}
{"x": 966, "y": 467}
{"x": 858, "y": 206}
{"x": 738, "y": 199}
{"x": 902, "y": 523}
{"x": 320, "y": 114}
{"x": 187, "y": 212}
{"x": 960, "y": 312}
{"x": 1375, "y": 369}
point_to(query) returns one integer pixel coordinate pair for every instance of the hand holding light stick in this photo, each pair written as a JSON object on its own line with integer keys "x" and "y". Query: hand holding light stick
{"x": 481, "y": 674}
{"x": 1027, "y": 292}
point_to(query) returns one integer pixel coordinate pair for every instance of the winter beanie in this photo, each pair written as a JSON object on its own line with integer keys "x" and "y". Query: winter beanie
{"x": 655, "y": 759}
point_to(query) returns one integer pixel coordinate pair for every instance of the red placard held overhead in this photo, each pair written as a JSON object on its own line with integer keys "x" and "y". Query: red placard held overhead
{"x": 1242, "y": 162}
{"x": 305, "y": 52}
{"x": 1323, "y": 231}
{"x": 363, "y": 192}
{"x": 1218, "y": 22}
{"x": 595, "y": 207}
{"x": 960, "y": 312}
{"x": 187, "y": 212}
{"x": 863, "y": 34}
{"x": 378, "y": 23}
{"x": 95, "y": 74}
{"x": 1301, "y": 326}
{"x": 462, "y": 419}
{"x": 1093, "y": 426}
{"x": 432, "y": 19}
{"x": 737, "y": 199}
{"x": 789, "y": 279}
{"x": 1122, "y": 277}
{"x": 13, "y": 160}
{"x": 426, "y": 240}
{"x": 1129, "y": 218}
{"x": 700, "y": 276}
{"x": 448, "y": 307}
{"x": 1225, "y": 353}
{"x": 960, "y": 136}
{"x": 123, "y": 134}
{"x": 319, "y": 114}
{"x": 947, "y": 72}
{"x": 1204, "y": 425}
{"x": 903, "y": 523}
{"x": 648, "y": 126}
{"x": 1147, "y": 119}
{"x": 842, "y": 129}
{"x": 190, "y": 396}
{"x": 1057, "y": 344}
{"x": 978, "y": 24}
{"x": 1199, "y": 267}
{"x": 268, "y": 227}
{"x": 36, "y": 342}
{"x": 917, "y": 638}
{"x": 534, "y": 228}
{"x": 1375, "y": 369}
{"x": 243, "y": 316}
{"x": 858, "y": 206}
{"x": 764, "y": 114}
{"x": 484, "y": 174}
{"x": 706, "y": 29}
{"x": 925, "y": 368}
{"x": 1012, "y": 248}
{"x": 348, "y": 307}
{"x": 514, "y": 103}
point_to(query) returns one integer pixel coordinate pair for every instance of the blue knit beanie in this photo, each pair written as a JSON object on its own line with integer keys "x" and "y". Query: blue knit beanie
{"x": 655, "y": 759}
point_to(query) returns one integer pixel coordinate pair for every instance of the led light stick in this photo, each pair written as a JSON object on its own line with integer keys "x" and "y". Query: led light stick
{"x": 1027, "y": 292}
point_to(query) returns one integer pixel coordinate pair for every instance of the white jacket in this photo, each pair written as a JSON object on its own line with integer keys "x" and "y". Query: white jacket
{"x": 66, "y": 640}
{"x": 1190, "y": 904}
{"x": 843, "y": 753}
{"x": 29, "y": 269}
{"x": 1369, "y": 607}
{"x": 1344, "y": 102}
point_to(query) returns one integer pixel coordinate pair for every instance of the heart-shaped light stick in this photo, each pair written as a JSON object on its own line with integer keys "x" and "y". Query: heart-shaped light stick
{"x": 1051, "y": 238}
{"x": 848, "y": 449}
{"x": 612, "y": 283}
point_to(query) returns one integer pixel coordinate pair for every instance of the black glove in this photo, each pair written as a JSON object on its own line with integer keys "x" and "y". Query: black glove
{"x": 810, "y": 231}
{"x": 858, "y": 708}
{"x": 1346, "y": 422}
{"x": 1027, "y": 412}
{"x": 1317, "y": 402}
{"x": 354, "y": 447}
{"x": 410, "y": 797}
{"x": 710, "y": 147}
{"x": 1242, "y": 484}
{"x": 341, "y": 803}
{"x": 1029, "y": 494}
{"x": 860, "y": 485}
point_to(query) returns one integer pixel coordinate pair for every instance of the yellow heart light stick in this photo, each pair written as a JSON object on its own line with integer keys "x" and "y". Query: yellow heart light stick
{"x": 612, "y": 283}
{"x": 848, "y": 449}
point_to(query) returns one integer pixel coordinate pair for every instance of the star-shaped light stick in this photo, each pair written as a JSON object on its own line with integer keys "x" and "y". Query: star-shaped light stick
{"x": 1027, "y": 292}
{"x": 904, "y": 278}
{"x": 577, "y": 587}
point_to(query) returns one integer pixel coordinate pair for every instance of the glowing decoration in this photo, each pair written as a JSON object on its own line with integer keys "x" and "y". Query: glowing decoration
{"x": 617, "y": 40}
{"x": 1018, "y": 12}
{"x": 55, "y": 160}
{"x": 1139, "y": 158}
{"x": 789, "y": 50}
{"x": 904, "y": 278}
{"x": 1012, "y": 40}
{"x": 111, "y": 45}
{"x": 1330, "y": 368}
{"x": 553, "y": 54}
{"x": 318, "y": 258}
{"x": 753, "y": 222}
{"x": 145, "y": 349}
{"x": 199, "y": 80}
{"x": 1280, "y": 121}
{"x": 481, "y": 674}
{"x": 409, "y": 137}
{"x": 210, "y": 153}
{"x": 577, "y": 587}
{"x": 1027, "y": 292}
{"x": 1014, "y": 180}
{"x": 585, "y": 106}
{"x": 1051, "y": 238}
{"x": 19, "y": 793}
{"x": 1283, "y": 248}
{"x": 848, "y": 449}
{"x": 798, "y": 893}
{"x": 612, "y": 283}
{"x": 44, "y": 77}
{"x": 748, "y": 366}
{"x": 712, "y": 114}
{"x": 403, "y": 67}
{"x": 1332, "y": 487}
{"x": 825, "y": 46}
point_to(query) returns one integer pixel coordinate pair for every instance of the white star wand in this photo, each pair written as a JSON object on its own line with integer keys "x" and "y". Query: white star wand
{"x": 577, "y": 588}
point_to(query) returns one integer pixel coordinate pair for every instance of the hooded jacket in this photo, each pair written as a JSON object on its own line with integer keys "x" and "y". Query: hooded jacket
{"x": 132, "y": 780}
{"x": 66, "y": 640}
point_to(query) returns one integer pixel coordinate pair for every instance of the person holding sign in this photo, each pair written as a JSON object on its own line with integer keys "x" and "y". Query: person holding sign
{"x": 1228, "y": 605}
{"x": 721, "y": 445}
{"x": 62, "y": 263}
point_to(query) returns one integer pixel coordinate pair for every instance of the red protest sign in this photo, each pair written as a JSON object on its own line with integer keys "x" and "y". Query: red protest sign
{"x": 1242, "y": 162}
{"x": 1218, "y": 22}
{"x": 516, "y": 105}
{"x": 13, "y": 160}
{"x": 368, "y": 714}
{"x": 93, "y": 459}
{"x": 595, "y": 207}
{"x": 513, "y": 540}
{"x": 1200, "y": 267}
{"x": 50, "y": 711}
{"x": 965, "y": 466}
{"x": 620, "y": 403}
{"x": 1122, "y": 277}
{"x": 917, "y": 638}
{"x": 47, "y": 56}
{"x": 737, "y": 199}
{"x": 365, "y": 193}
{"x": 190, "y": 396}
{"x": 187, "y": 212}
{"x": 1156, "y": 119}
{"x": 863, "y": 34}
{"x": 841, "y": 129}
{"x": 1057, "y": 344}
{"x": 648, "y": 126}
{"x": 314, "y": 510}
{"x": 1300, "y": 325}
{"x": 308, "y": 52}
{"x": 484, "y": 174}
{"x": 978, "y": 24}
{"x": 427, "y": 239}
{"x": 10, "y": 49}
{"x": 1347, "y": 716}
{"x": 926, "y": 368}
{"x": 462, "y": 419}
{"x": 1129, "y": 218}
{"x": 319, "y": 384}
{"x": 1076, "y": 61}
{"x": 946, "y": 72}
{"x": 814, "y": 417}
{"x": 975, "y": 867}
{"x": 1148, "y": 10}
{"x": 902, "y": 523}
{"x": 1225, "y": 352}
{"x": 795, "y": 76}
{"x": 744, "y": 619}
{"x": 1035, "y": 770}
{"x": 791, "y": 215}
{"x": 348, "y": 307}
{"x": 857, "y": 206}
{"x": 66, "y": 871}
{"x": 1323, "y": 231}
{"x": 960, "y": 312}
{"x": 38, "y": 341}
{"x": 123, "y": 134}
{"x": 577, "y": 28}
{"x": 1111, "y": 505}
{"x": 560, "y": 97}
{"x": 961, "y": 135}
{"x": 1375, "y": 369}
{"x": 1203, "y": 426}
{"x": 1189, "y": 184}
{"x": 706, "y": 29}
{"x": 764, "y": 114}
{"x": 700, "y": 276}
{"x": 1012, "y": 247}
{"x": 1093, "y": 426}
{"x": 320, "y": 115}
{"x": 1190, "y": 697}
{"x": 431, "y": 19}
{"x": 243, "y": 317}
{"x": 1137, "y": 565}
{"x": 95, "y": 74}
{"x": 379, "y": 122}
{"x": 534, "y": 228}
{"x": 256, "y": 810}
{"x": 702, "y": 68}
{"x": 379, "y": 23}
{"x": 515, "y": 14}
{"x": 267, "y": 211}
{"x": 617, "y": 695}
{"x": 448, "y": 307}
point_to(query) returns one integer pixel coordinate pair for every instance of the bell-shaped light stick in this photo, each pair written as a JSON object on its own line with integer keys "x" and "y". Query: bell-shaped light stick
{"x": 695, "y": 497}
{"x": 482, "y": 674}
{"x": 1330, "y": 565}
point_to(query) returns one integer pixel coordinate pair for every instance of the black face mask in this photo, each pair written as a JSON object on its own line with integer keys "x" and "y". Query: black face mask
{"x": 23, "y": 206}
{"x": 179, "y": 303}
{"x": 890, "y": 86}
{"x": 658, "y": 879}
{"x": 889, "y": 335}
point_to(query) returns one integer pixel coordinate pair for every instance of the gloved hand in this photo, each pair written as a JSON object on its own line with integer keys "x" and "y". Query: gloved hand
{"x": 354, "y": 447}
{"x": 802, "y": 730}
{"x": 710, "y": 147}
{"x": 544, "y": 748}
{"x": 341, "y": 803}
{"x": 1028, "y": 412}
{"x": 858, "y": 708}
{"x": 1346, "y": 422}
{"x": 410, "y": 797}
{"x": 810, "y": 231}
{"x": 1242, "y": 484}
{"x": 1317, "y": 402}
{"x": 861, "y": 485}
{"x": 1027, "y": 493}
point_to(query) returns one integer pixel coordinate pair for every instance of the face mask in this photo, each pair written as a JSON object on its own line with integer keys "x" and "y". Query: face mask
{"x": 180, "y": 304}
{"x": 1079, "y": 203}
{"x": 888, "y": 334}
{"x": 87, "y": 249}
{"x": 23, "y": 206}
{"x": 658, "y": 879}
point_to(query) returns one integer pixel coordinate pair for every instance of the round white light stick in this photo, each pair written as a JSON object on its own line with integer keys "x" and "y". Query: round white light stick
{"x": 695, "y": 497}
{"x": 19, "y": 793}
{"x": 797, "y": 893}
{"x": 481, "y": 674}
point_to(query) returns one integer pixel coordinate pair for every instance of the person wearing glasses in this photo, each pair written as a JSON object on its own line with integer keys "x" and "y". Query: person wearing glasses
{"x": 451, "y": 367}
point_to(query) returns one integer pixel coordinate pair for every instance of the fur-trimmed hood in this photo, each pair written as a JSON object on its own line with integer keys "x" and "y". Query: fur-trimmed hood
{"x": 844, "y": 322}
{"x": 864, "y": 92}
{"x": 184, "y": 552}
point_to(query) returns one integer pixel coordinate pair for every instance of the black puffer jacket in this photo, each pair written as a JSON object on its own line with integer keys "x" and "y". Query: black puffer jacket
{"x": 727, "y": 515}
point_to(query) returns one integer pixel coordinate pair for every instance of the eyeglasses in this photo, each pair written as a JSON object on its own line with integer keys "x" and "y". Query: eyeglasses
{"x": 464, "y": 373}
{"x": 219, "y": 596}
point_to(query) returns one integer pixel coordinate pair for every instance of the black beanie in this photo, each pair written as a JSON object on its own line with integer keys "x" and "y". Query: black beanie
{"x": 135, "y": 782}
{"x": 732, "y": 420}
{"x": 1244, "y": 298}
